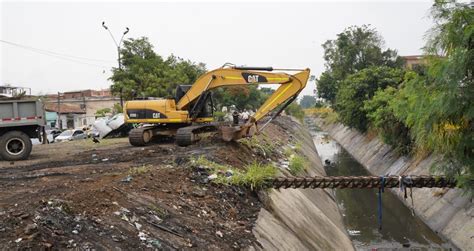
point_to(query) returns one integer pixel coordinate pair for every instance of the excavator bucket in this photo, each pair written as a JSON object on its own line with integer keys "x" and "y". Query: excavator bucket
{"x": 230, "y": 133}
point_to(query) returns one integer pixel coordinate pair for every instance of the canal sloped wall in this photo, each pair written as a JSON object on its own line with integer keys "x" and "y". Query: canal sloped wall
{"x": 300, "y": 219}
{"x": 446, "y": 211}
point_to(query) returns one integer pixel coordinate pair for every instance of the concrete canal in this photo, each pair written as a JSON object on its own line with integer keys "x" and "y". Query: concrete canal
{"x": 400, "y": 227}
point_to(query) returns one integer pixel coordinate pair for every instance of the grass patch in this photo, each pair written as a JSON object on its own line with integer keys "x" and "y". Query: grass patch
{"x": 288, "y": 152}
{"x": 328, "y": 114}
{"x": 298, "y": 146}
{"x": 297, "y": 164}
{"x": 317, "y": 111}
{"x": 134, "y": 171}
{"x": 160, "y": 212}
{"x": 202, "y": 161}
{"x": 263, "y": 145}
{"x": 253, "y": 175}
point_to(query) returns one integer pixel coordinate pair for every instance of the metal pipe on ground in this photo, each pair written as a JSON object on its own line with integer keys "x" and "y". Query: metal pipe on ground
{"x": 343, "y": 182}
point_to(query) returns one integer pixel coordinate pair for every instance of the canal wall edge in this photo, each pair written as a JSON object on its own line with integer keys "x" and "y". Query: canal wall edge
{"x": 300, "y": 219}
{"x": 447, "y": 211}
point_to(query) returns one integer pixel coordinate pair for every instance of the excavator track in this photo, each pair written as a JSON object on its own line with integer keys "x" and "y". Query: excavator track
{"x": 140, "y": 136}
{"x": 186, "y": 136}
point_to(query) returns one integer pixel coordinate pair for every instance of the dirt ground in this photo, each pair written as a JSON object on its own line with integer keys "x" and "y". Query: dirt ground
{"x": 81, "y": 195}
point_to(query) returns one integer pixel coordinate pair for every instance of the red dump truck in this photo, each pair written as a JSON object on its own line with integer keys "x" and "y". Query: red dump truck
{"x": 20, "y": 120}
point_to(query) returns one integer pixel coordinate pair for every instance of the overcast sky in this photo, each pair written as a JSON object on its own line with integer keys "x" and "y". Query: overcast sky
{"x": 256, "y": 34}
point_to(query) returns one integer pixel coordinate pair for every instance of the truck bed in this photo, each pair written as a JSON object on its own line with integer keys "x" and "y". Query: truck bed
{"x": 21, "y": 113}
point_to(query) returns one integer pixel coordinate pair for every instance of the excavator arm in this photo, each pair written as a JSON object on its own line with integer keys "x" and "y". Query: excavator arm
{"x": 290, "y": 85}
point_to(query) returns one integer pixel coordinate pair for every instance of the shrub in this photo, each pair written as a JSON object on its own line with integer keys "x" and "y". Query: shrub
{"x": 297, "y": 164}
{"x": 381, "y": 118}
{"x": 296, "y": 111}
{"x": 254, "y": 175}
{"x": 359, "y": 87}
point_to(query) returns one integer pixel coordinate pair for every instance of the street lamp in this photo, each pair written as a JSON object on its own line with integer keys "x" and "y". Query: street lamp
{"x": 118, "y": 51}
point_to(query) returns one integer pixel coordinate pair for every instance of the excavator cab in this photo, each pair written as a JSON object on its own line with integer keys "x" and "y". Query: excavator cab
{"x": 203, "y": 108}
{"x": 180, "y": 91}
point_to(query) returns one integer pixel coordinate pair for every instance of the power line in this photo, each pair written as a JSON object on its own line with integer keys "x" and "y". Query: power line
{"x": 55, "y": 53}
{"x": 76, "y": 59}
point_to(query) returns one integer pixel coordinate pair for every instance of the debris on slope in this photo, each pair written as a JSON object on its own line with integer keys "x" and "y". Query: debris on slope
{"x": 140, "y": 197}
{"x": 111, "y": 195}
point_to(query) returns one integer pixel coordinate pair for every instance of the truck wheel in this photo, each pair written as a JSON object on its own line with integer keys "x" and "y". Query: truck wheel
{"x": 15, "y": 145}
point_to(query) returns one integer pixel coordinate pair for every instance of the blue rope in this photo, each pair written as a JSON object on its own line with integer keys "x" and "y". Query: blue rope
{"x": 381, "y": 190}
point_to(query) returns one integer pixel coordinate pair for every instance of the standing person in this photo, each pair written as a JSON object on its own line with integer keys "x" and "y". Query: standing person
{"x": 245, "y": 116}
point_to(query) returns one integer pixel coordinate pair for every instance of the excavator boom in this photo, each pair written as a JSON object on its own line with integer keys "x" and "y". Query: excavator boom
{"x": 291, "y": 85}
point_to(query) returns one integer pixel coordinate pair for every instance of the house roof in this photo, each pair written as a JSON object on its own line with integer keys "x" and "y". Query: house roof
{"x": 413, "y": 57}
{"x": 64, "y": 108}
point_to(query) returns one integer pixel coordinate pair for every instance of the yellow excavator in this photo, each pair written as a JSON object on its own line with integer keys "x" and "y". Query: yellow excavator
{"x": 190, "y": 113}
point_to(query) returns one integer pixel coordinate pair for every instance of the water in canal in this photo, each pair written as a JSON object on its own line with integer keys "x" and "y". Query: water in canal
{"x": 400, "y": 229}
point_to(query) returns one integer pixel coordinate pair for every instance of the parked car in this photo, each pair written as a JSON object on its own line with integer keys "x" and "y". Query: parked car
{"x": 69, "y": 135}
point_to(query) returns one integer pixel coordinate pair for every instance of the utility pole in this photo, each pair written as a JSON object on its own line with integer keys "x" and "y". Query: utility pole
{"x": 118, "y": 52}
{"x": 59, "y": 112}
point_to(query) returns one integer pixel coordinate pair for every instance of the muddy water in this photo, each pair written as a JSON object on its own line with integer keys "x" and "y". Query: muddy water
{"x": 400, "y": 229}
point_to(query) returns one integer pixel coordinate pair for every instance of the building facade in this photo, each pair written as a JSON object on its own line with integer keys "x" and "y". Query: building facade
{"x": 78, "y": 109}
{"x": 413, "y": 61}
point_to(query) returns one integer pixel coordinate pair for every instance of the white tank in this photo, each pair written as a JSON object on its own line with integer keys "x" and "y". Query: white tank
{"x": 116, "y": 121}
{"x": 101, "y": 126}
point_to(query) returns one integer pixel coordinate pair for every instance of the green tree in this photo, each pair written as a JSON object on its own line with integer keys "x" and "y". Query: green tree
{"x": 145, "y": 73}
{"x": 326, "y": 86}
{"x": 103, "y": 112}
{"x": 354, "y": 49}
{"x": 295, "y": 110}
{"x": 307, "y": 101}
{"x": 382, "y": 118}
{"x": 359, "y": 87}
{"x": 243, "y": 97}
{"x": 439, "y": 108}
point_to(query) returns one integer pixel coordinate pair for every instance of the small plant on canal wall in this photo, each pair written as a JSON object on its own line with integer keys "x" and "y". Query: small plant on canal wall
{"x": 253, "y": 175}
{"x": 297, "y": 164}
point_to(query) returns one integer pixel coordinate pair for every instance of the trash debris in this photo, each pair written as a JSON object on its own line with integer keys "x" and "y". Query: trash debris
{"x": 212, "y": 176}
{"x": 75, "y": 231}
{"x": 156, "y": 243}
{"x": 104, "y": 160}
{"x": 220, "y": 234}
{"x": 71, "y": 243}
{"x": 138, "y": 225}
{"x": 18, "y": 240}
{"x": 127, "y": 179}
{"x": 199, "y": 193}
{"x": 30, "y": 228}
{"x": 142, "y": 236}
{"x": 229, "y": 173}
{"x": 125, "y": 218}
{"x": 353, "y": 232}
{"x": 115, "y": 238}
